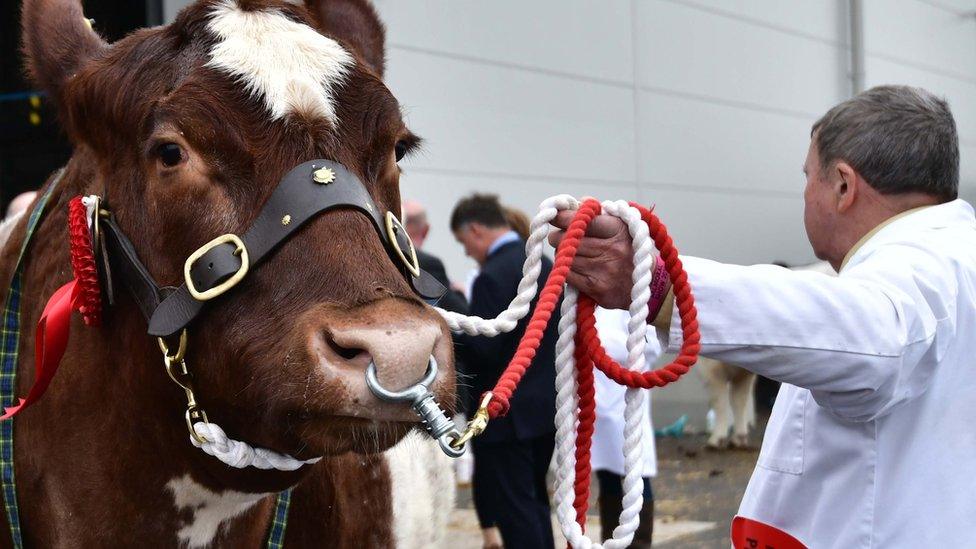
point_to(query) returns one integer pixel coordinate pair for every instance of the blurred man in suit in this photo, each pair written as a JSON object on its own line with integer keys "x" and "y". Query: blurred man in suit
{"x": 417, "y": 226}
{"x": 513, "y": 454}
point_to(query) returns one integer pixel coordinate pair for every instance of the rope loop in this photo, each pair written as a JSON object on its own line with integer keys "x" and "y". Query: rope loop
{"x": 579, "y": 351}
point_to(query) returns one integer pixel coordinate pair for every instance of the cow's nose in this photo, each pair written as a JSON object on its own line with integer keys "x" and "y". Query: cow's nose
{"x": 401, "y": 354}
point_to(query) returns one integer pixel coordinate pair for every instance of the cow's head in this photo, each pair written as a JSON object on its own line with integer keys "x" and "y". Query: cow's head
{"x": 188, "y": 129}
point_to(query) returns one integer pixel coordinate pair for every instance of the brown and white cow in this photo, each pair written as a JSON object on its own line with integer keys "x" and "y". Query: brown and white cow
{"x": 730, "y": 389}
{"x": 186, "y": 129}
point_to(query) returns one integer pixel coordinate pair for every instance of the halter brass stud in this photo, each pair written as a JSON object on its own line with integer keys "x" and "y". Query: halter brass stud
{"x": 323, "y": 176}
{"x": 286, "y": 220}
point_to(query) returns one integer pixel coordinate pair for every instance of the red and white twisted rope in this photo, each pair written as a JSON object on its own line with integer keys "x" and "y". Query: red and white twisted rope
{"x": 578, "y": 350}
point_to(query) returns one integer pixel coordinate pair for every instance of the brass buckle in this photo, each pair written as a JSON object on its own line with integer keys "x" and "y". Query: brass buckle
{"x": 225, "y": 285}
{"x": 412, "y": 263}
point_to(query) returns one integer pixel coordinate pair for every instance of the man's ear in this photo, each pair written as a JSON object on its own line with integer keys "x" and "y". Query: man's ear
{"x": 475, "y": 228}
{"x": 846, "y": 183}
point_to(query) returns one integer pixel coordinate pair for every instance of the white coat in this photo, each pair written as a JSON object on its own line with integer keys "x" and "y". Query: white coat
{"x": 608, "y": 429}
{"x": 872, "y": 441}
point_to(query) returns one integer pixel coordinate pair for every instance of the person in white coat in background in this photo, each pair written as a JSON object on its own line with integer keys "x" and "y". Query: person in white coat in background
{"x": 607, "y": 453}
{"x": 17, "y": 208}
{"x": 871, "y": 441}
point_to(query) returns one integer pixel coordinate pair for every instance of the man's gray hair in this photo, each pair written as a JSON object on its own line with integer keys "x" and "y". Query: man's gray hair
{"x": 899, "y": 139}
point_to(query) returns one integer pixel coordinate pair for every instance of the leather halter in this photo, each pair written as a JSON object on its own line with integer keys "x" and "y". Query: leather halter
{"x": 307, "y": 191}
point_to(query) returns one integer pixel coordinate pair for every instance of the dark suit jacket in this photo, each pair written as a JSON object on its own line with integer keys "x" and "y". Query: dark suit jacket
{"x": 533, "y": 403}
{"x": 452, "y": 301}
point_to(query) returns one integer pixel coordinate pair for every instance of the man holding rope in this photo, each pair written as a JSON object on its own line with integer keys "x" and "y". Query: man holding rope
{"x": 871, "y": 442}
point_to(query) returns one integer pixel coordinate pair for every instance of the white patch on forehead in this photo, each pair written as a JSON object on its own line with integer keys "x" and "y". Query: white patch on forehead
{"x": 422, "y": 485}
{"x": 208, "y": 509}
{"x": 289, "y": 65}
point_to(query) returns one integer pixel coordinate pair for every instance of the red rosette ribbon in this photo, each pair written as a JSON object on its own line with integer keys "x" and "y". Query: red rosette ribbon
{"x": 83, "y": 294}
{"x": 89, "y": 299}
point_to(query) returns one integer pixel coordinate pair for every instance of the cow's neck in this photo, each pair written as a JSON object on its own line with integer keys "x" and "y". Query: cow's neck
{"x": 106, "y": 454}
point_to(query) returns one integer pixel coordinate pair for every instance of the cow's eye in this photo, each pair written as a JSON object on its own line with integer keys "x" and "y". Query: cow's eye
{"x": 401, "y": 150}
{"x": 170, "y": 154}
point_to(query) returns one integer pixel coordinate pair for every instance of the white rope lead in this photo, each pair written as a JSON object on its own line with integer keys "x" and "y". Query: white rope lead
{"x": 241, "y": 454}
{"x": 634, "y": 417}
{"x": 567, "y": 407}
{"x": 567, "y": 415}
{"x": 528, "y": 286}
{"x": 567, "y": 400}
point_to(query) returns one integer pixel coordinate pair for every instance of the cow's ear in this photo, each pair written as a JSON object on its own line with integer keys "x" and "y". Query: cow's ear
{"x": 57, "y": 40}
{"x": 357, "y": 24}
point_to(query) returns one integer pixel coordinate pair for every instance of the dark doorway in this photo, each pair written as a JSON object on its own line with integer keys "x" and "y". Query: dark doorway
{"x": 32, "y": 144}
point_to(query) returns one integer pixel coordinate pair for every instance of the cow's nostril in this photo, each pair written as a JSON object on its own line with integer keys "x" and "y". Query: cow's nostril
{"x": 347, "y": 353}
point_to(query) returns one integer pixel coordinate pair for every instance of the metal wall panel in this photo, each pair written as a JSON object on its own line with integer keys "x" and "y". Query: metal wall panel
{"x": 702, "y": 107}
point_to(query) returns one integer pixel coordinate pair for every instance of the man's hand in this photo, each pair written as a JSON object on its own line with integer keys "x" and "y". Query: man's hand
{"x": 604, "y": 263}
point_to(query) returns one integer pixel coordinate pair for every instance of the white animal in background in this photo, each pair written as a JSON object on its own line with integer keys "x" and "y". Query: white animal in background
{"x": 732, "y": 390}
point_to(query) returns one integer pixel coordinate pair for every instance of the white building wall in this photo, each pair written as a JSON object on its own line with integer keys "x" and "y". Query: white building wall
{"x": 702, "y": 107}
{"x": 929, "y": 43}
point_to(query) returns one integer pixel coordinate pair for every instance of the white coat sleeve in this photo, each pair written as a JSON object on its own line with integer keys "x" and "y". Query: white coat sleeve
{"x": 862, "y": 343}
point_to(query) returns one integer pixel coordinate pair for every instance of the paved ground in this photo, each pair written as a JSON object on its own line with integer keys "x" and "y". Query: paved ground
{"x": 697, "y": 492}
{"x": 696, "y": 484}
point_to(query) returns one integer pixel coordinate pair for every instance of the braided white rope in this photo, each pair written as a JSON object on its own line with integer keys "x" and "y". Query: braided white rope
{"x": 567, "y": 400}
{"x": 634, "y": 417}
{"x": 528, "y": 286}
{"x": 566, "y": 405}
{"x": 241, "y": 454}
{"x": 567, "y": 415}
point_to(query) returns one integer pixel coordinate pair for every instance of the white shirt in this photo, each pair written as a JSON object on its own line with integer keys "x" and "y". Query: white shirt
{"x": 608, "y": 434}
{"x": 872, "y": 441}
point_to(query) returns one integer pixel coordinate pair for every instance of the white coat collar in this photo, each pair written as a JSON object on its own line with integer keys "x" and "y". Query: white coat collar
{"x": 949, "y": 214}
